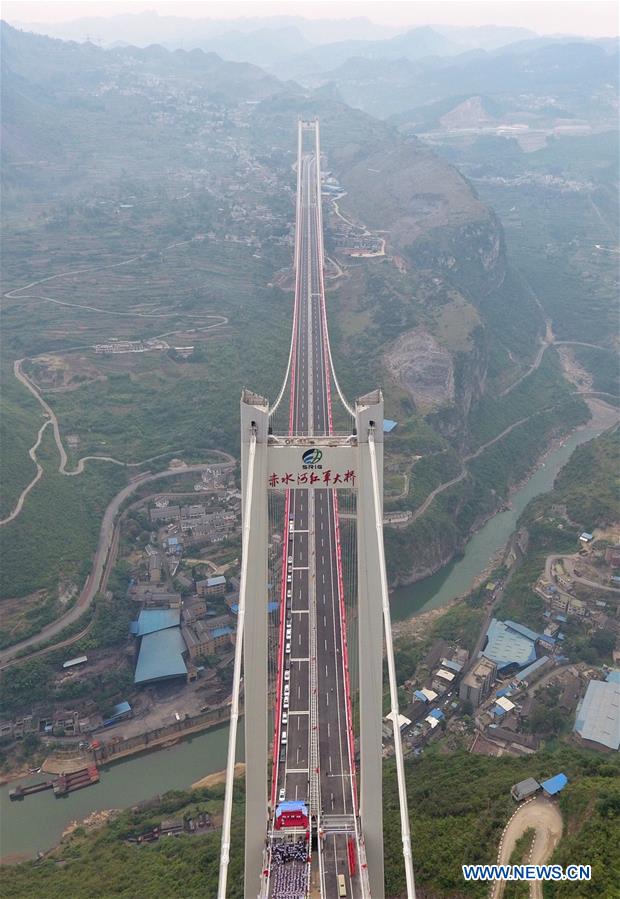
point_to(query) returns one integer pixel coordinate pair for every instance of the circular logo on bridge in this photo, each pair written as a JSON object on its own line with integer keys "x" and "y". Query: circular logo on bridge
{"x": 312, "y": 456}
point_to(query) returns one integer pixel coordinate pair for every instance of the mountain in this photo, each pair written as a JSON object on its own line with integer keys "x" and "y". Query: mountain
{"x": 148, "y": 27}
{"x": 204, "y": 149}
{"x": 485, "y": 37}
{"x": 579, "y": 77}
{"x": 415, "y": 44}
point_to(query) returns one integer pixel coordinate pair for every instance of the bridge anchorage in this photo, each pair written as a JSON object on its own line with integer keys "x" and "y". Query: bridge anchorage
{"x": 313, "y": 612}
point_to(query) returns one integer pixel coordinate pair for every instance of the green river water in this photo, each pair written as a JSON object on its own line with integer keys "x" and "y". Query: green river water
{"x": 37, "y": 822}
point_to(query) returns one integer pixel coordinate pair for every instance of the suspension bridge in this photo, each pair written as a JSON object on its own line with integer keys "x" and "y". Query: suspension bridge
{"x": 313, "y": 613}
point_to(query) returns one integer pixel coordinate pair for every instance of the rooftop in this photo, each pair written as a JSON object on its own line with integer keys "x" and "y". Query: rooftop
{"x": 161, "y": 656}
{"x": 445, "y": 675}
{"x": 598, "y": 714}
{"x": 221, "y": 631}
{"x": 451, "y": 665}
{"x": 539, "y": 663}
{"x": 505, "y": 703}
{"x": 554, "y": 784}
{"x": 402, "y": 720}
{"x": 509, "y": 645}
{"x": 151, "y": 620}
{"x": 525, "y": 788}
{"x": 479, "y": 672}
{"x": 522, "y": 629}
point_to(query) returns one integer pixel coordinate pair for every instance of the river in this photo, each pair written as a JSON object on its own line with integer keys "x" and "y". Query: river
{"x": 36, "y": 823}
{"x": 457, "y": 578}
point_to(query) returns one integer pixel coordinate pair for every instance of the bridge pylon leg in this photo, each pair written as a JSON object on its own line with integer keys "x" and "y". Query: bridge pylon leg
{"x": 255, "y": 419}
{"x": 369, "y": 413}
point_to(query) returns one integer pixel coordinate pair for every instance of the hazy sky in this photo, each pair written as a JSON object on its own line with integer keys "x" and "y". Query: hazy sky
{"x": 599, "y": 17}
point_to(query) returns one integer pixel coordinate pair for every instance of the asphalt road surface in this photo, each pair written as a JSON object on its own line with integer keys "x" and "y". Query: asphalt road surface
{"x": 313, "y": 666}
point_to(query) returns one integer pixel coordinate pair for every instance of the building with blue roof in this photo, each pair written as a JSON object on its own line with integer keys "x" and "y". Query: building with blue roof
{"x": 613, "y": 677}
{"x": 508, "y": 646}
{"x": 221, "y": 632}
{"x": 554, "y": 784}
{"x": 119, "y": 713}
{"x": 151, "y": 620}
{"x": 522, "y": 629}
{"x": 528, "y": 673}
{"x": 161, "y": 656}
{"x": 436, "y": 713}
{"x": 598, "y": 714}
{"x": 389, "y": 425}
{"x": 451, "y": 665}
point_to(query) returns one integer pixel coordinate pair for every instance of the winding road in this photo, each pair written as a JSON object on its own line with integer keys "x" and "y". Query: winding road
{"x": 99, "y": 569}
{"x": 544, "y": 817}
{"x": 446, "y": 484}
{"x": 17, "y": 294}
{"x": 62, "y": 468}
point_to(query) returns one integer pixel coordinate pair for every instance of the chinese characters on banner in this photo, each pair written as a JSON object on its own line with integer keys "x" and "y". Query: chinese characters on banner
{"x": 326, "y": 478}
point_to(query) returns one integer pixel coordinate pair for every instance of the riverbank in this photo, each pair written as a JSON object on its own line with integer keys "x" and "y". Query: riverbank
{"x": 219, "y": 777}
{"x": 603, "y": 416}
{"x": 98, "y": 819}
{"x": 37, "y": 823}
{"x": 480, "y": 553}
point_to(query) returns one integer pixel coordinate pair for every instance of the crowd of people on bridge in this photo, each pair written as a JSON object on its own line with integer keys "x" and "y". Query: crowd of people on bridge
{"x": 289, "y": 851}
{"x": 290, "y": 873}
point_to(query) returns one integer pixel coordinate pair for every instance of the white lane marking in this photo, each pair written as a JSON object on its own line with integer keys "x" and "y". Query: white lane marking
{"x": 327, "y": 698}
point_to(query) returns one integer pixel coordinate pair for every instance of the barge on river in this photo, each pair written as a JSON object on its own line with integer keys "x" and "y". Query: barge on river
{"x": 61, "y": 786}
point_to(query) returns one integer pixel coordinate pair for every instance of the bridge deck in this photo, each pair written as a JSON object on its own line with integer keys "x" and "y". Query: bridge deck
{"x": 313, "y": 747}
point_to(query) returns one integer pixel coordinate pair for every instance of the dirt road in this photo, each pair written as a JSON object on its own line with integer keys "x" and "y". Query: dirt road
{"x": 544, "y": 817}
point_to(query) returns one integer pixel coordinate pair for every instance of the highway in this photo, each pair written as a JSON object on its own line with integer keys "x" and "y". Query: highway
{"x": 312, "y": 746}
